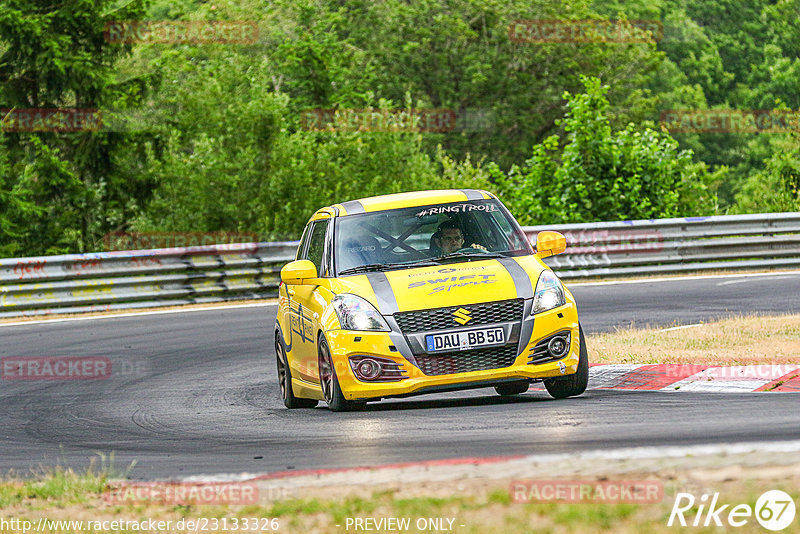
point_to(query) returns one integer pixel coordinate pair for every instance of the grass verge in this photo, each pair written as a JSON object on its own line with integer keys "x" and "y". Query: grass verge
{"x": 469, "y": 506}
{"x": 743, "y": 340}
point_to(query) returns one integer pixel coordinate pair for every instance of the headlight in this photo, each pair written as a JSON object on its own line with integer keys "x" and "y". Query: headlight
{"x": 549, "y": 293}
{"x": 356, "y": 313}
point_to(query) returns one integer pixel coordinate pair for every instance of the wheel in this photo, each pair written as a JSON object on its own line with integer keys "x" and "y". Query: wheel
{"x": 285, "y": 379}
{"x": 330, "y": 383}
{"x": 514, "y": 388}
{"x": 572, "y": 385}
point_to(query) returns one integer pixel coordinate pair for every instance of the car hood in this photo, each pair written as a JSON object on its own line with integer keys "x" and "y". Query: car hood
{"x": 440, "y": 286}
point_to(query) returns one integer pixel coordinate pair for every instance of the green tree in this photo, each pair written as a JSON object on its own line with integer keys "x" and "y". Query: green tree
{"x": 776, "y": 188}
{"x": 14, "y": 209}
{"x": 55, "y": 56}
{"x": 235, "y": 155}
{"x": 602, "y": 174}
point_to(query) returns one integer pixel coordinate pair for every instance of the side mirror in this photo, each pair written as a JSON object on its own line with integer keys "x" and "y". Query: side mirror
{"x": 549, "y": 243}
{"x": 298, "y": 272}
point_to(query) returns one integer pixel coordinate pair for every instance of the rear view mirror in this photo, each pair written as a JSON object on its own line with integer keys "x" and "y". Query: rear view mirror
{"x": 550, "y": 243}
{"x": 421, "y": 220}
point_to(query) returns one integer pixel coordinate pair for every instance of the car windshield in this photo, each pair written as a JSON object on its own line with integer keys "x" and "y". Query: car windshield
{"x": 430, "y": 234}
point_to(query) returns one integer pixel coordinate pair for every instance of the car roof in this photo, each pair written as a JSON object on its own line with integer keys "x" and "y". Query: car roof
{"x": 401, "y": 200}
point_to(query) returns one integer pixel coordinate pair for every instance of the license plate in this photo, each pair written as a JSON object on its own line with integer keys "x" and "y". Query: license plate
{"x": 465, "y": 340}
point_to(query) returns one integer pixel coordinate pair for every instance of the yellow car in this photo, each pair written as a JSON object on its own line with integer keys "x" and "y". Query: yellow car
{"x": 423, "y": 292}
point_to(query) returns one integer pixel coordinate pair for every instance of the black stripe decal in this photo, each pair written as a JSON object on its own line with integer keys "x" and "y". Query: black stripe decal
{"x": 472, "y": 194}
{"x": 521, "y": 279}
{"x": 387, "y": 306}
{"x": 353, "y": 207}
{"x": 387, "y": 303}
{"x": 400, "y": 342}
{"x": 522, "y": 282}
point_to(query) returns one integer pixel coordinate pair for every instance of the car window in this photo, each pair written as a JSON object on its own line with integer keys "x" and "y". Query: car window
{"x": 301, "y": 248}
{"x": 496, "y": 232}
{"x": 316, "y": 245}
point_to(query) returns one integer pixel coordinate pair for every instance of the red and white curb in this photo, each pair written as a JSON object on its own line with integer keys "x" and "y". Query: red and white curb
{"x": 694, "y": 377}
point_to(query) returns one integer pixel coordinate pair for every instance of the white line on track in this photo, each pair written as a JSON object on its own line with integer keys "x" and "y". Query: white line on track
{"x": 680, "y": 327}
{"x": 785, "y": 274}
{"x": 138, "y": 314}
{"x": 746, "y": 280}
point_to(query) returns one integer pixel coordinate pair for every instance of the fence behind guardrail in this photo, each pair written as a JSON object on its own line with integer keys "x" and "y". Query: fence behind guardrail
{"x": 105, "y": 281}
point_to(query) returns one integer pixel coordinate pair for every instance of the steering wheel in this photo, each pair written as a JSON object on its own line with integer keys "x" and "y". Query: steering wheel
{"x": 470, "y": 249}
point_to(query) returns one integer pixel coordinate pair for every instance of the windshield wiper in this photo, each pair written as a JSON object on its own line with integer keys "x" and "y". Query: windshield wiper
{"x": 483, "y": 254}
{"x": 373, "y": 267}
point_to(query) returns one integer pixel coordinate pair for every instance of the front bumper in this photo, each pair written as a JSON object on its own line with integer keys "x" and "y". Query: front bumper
{"x": 345, "y": 343}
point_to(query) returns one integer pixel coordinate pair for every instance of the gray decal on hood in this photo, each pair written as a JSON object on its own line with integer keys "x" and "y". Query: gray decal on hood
{"x": 525, "y": 290}
{"x": 387, "y": 302}
{"x": 387, "y": 306}
{"x": 521, "y": 279}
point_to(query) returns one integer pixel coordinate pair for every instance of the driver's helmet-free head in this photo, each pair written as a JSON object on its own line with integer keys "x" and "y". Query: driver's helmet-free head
{"x": 435, "y": 244}
{"x": 360, "y": 250}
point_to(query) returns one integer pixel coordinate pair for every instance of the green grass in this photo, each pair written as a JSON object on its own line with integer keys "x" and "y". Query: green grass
{"x": 63, "y": 486}
{"x": 64, "y": 494}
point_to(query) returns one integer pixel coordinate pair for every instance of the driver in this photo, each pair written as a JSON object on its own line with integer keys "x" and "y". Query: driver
{"x": 448, "y": 238}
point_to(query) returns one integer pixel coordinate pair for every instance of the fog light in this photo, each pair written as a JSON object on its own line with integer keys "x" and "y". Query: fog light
{"x": 558, "y": 346}
{"x": 376, "y": 369}
{"x": 368, "y": 369}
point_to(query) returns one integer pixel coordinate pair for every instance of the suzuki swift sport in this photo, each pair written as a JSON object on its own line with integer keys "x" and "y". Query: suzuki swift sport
{"x": 423, "y": 292}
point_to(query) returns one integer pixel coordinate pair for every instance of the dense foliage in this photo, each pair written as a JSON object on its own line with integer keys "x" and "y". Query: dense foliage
{"x": 210, "y": 137}
{"x": 605, "y": 174}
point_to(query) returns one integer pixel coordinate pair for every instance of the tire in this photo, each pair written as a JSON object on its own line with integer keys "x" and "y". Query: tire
{"x": 285, "y": 379}
{"x": 572, "y": 385}
{"x": 514, "y": 388}
{"x": 330, "y": 382}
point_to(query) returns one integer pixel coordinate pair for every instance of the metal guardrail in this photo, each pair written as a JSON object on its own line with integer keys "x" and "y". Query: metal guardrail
{"x": 661, "y": 246}
{"x": 106, "y": 281}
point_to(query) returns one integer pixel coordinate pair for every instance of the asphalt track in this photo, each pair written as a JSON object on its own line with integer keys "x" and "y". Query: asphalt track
{"x": 196, "y": 393}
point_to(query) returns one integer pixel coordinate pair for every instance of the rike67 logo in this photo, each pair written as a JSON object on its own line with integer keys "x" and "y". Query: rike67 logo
{"x": 774, "y": 510}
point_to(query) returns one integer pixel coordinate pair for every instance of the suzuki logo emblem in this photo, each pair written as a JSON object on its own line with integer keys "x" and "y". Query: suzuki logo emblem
{"x": 461, "y": 316}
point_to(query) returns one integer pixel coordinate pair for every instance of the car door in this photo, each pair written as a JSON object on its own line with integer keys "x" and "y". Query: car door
{"x": 306, "y": 304}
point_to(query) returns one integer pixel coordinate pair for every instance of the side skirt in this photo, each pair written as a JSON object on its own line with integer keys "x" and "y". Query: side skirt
{"x": 307, "y": 390}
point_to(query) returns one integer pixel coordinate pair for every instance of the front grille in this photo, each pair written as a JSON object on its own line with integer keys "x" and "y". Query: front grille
{"x": 467, "y": 360}
{"x": 442, "y": 318}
